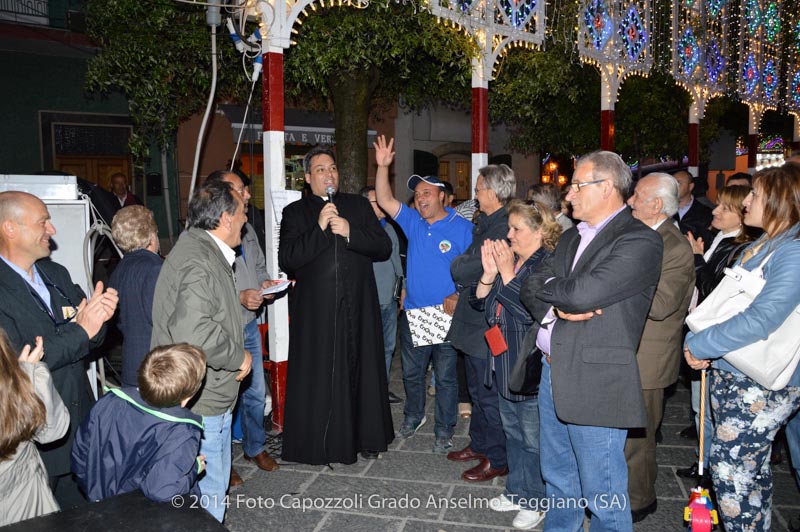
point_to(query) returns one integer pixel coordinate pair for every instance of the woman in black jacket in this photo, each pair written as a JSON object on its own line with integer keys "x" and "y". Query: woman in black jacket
{"x": 727, "y": 244}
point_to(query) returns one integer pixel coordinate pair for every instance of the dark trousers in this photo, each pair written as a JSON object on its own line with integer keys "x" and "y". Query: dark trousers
{"x": 640, "y": 453}
{"x": 461, "y": 373}
{"x": 485, "y": 425}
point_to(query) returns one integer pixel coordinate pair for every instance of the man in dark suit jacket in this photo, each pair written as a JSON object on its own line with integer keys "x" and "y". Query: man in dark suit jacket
{"x": 654, "y": 202}
{"x": 590, "y": 300}
{"x": 692, "y": 215}
{"x": 42, "y": 300}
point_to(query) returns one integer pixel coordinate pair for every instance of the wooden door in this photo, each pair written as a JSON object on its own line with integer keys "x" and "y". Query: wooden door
{"x": 95, "y": 169}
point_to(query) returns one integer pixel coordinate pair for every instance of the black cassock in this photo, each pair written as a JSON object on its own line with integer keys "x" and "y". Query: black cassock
{"x": 336, "y": 392}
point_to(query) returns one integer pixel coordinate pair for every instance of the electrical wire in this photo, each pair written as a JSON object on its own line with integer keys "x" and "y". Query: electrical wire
{"x": 244, "y": 123}
{"x": 210, "y": 104}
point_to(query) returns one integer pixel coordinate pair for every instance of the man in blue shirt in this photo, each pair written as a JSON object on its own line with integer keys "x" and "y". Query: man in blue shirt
{"x": 436, "y": 235}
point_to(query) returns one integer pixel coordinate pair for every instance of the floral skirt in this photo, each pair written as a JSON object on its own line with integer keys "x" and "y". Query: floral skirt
{"x": 746, "y": 418}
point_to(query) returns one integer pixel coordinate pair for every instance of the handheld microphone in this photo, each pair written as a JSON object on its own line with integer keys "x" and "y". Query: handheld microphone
{"x": 330, "y": 191}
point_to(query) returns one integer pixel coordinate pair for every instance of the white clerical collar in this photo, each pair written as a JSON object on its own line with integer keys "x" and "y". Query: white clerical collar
{"x": 230, "y": 255}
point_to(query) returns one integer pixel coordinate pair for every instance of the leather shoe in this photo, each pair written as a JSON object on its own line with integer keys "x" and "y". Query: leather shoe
{"x": 394, "y": 399}
{"x": 236, "y": 480}
{"x": 483, "y": 471}
{"x": 263, "y": 461}
{"x": 692, "y": 473}
{"x": 464, "y": 455}
{"x": 687, "y": 472}
{"x": 641, "y": 514}
{"x": 370, "y": 455}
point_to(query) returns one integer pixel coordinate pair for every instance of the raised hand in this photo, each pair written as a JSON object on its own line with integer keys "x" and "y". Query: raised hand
{"x": 383, "y": 151}
{"x": 697, "y": 243}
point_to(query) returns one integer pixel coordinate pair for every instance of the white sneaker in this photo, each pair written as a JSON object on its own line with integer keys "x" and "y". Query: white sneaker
{"x": 502, "y": 504}
{"x": 527, "y": 519}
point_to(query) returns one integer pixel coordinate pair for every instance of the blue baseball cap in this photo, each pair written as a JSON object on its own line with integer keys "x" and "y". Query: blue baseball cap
{"x": 415, "y": 180}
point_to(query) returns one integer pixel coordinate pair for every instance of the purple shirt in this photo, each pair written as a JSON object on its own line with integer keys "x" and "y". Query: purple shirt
{"x": 587, "y": 233}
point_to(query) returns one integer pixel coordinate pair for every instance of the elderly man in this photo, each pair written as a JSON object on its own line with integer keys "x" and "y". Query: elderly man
{"x": 590, "y": 300}
{"x": 495, "y": 186}
{"x": 250, "y": 273}
{"x": 336, "y": 392}
{"x": 42, "y": 300}
{"x": 654, "y": 201}
{"x": 196, "y": 301}
{"x": 436, "y": 235}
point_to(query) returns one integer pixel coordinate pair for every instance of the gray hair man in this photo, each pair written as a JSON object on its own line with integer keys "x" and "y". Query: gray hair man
{"x": 251, "y": 278}
{"x": 196, "y": 301}
{"x": 653, "y": 202}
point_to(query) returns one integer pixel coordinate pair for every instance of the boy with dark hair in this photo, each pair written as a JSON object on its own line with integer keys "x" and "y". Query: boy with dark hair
{"x": 145, "y": 438}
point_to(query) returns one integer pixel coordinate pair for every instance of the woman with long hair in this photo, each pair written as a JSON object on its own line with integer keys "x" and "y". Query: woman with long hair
{"x": 728, "y": 244}
{"x": 30, "y": 410}
{"x": 746, "y": 414}
{"x": 533, "y": 233}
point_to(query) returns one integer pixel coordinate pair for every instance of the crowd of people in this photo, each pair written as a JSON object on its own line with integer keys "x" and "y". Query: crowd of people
{"x": 562, "y": 330}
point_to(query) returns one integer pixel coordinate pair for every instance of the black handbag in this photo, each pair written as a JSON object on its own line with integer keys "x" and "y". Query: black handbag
{"x": 526, "y": 373}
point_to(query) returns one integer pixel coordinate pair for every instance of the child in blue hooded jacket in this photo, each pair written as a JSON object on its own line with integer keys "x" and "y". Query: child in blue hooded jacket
{"x": 145, "y": 438}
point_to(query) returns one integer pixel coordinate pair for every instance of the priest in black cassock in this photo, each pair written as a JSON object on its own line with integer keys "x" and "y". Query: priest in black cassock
{"x": 336, "y": 391}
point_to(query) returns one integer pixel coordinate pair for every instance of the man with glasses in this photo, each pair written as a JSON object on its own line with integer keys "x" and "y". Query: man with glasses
{"x": 40, "y": 299}
{"x": 250, "y": 268}
{"x": 196, "y": 301}
{"x": 590, "y": 300}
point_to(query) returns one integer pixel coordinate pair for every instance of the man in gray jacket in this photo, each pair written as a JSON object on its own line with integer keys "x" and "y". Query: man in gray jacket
{"x": 250, "y": 272}
{"x": 388, "y": 273}
{"x": 196, "y": 301}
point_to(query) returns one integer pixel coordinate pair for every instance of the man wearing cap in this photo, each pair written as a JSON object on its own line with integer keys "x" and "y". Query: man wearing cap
{"x": 336, "y": 394}
{"x": 436, "y": 235}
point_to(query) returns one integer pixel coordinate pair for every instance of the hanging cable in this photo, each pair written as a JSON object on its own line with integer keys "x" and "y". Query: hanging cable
{"x": 244, "y": 122}
{"x": 211, "y": 94}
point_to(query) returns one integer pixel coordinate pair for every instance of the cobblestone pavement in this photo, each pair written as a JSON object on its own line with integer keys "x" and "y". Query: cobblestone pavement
{"x": 410, "y": 489}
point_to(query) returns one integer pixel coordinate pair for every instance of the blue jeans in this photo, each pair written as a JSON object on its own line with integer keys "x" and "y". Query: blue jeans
{"x": 708, "y": 424}
{"x": 415, "y": 365}
{"x": 389, "y": 321}
{"x": 253, "y": 391}
{"x": 216, "y": 446}
{"x": 485, "y": 427}
{"x": 582, "y": 466}
{"x": 521, "y": 426}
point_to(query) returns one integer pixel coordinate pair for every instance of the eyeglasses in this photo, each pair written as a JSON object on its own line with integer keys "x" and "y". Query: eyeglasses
{"x": 476, "y": 189}
{"x": 576, "y": 187}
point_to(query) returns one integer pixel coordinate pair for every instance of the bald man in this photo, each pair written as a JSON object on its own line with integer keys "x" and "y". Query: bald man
{"x": 42, "y": 300}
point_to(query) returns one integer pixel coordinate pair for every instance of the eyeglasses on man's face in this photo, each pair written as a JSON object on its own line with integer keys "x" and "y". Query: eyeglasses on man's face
{"x": 576, "y": 187}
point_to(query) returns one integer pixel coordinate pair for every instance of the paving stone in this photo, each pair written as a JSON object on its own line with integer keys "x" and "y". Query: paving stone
{"x": 422, "y": 466}
{"x": 675, "y": 455}
{"x": 360, "y": 523}
{"x": 379, "y": 496}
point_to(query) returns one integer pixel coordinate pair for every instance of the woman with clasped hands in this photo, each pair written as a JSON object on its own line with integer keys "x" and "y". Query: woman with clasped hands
{"x": 533, "y": 233}
{"x": 747, "y": 415}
